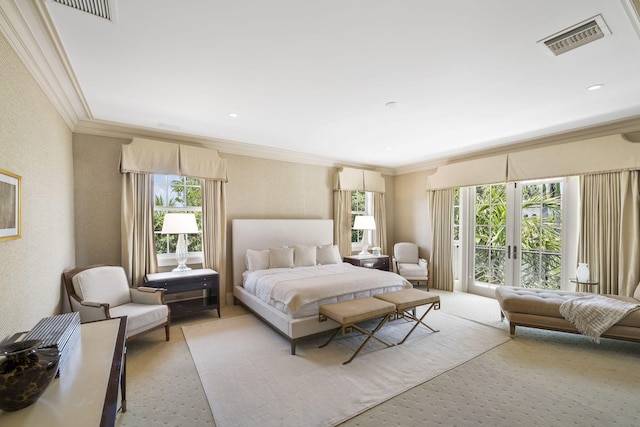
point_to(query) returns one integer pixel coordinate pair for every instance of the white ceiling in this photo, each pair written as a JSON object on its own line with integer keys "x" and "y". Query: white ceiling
{"x": 314, "y": 76}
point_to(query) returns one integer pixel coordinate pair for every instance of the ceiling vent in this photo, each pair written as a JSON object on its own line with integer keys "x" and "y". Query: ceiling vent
{"x": 99, "y": 8}
{"x": 580, "y": 34}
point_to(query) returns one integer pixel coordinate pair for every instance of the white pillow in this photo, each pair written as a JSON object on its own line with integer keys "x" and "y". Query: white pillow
{"x": 257, "y": 260}
{"x": 636, "y": 294}
{"x": 328, "y": 254}
{"x": 280, "y": 257}
{"x": 304, "y": 255}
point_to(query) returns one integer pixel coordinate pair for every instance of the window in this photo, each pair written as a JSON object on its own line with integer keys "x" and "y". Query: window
{"x": 361, "y": 204}
{"x": 176, "y": 194}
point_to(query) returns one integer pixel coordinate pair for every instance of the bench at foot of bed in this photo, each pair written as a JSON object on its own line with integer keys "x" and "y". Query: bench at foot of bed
{"x": 349, "y": 313}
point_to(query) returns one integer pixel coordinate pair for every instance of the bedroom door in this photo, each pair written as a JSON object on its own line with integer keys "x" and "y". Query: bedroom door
{"x": 517, "y": 236}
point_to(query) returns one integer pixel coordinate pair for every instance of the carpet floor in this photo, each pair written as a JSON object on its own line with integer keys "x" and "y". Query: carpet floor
{"x": 271, "y": 386}
{"x": 538, "y": 378}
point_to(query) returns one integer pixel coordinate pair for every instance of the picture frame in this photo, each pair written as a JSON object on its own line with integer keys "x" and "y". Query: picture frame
{"x": 10, "y": 205}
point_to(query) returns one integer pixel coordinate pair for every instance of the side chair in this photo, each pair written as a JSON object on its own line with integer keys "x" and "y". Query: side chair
{"x": 101, "y": 292}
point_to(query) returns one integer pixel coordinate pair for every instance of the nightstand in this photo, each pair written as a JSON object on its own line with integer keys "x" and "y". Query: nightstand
{"x": 206, "y": 280}
{"x": 380, "y": 262}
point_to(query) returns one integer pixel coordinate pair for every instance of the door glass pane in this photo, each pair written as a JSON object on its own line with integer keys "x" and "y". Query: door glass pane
{"x": 490, "y": 234}
{"x": 541, "y": 237}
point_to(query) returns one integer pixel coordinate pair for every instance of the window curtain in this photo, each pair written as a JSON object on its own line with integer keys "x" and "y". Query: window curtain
{"x": 379, "y": 210}
{"x": 138, "y": 244}
{"x": 342, "y": 221}
{"x": 441, "y": 261}
{"x": 610, "y": 230}
{"x": 214, "y": 229}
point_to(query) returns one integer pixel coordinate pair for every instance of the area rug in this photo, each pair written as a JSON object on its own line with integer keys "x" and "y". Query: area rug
{"x": 250, "y": 377}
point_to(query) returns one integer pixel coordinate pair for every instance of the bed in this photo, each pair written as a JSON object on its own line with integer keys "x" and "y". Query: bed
{"x": 255, "y": 242}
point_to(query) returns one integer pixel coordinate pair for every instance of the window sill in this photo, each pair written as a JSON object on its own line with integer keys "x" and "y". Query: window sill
{"x": 169, "y": 260}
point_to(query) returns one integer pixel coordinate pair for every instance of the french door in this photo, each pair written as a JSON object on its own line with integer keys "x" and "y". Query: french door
{"x": 516, "y": 237}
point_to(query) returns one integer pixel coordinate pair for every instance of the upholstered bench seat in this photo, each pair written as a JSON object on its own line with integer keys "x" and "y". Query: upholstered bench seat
{"x": 539, "y": 308}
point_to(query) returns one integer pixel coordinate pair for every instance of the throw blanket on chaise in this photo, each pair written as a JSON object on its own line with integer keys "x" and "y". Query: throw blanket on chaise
{"x": 594, "y": 314}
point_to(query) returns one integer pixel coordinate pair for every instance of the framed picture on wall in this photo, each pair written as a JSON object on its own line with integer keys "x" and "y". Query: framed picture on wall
{"x": 10, "y": 205}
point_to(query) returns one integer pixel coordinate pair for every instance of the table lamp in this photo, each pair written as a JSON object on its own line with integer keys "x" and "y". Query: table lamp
{"x": 366, "y": 223}
{"x": 180, "y": 224}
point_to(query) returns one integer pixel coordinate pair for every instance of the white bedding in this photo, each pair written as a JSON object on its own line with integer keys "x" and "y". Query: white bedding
{"x": 299, "y": 291}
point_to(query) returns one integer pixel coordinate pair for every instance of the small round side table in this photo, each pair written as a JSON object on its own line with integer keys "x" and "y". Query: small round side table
{"x": 590, "y": 284}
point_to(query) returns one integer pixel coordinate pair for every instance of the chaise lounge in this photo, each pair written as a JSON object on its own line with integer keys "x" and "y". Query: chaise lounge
{"x": 539, "y": 308}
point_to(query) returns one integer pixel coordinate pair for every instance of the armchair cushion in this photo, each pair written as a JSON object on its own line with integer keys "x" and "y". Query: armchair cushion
{"x": 105, "y": 284}
{"x": 405, "y": 252}
{"x": 141, "y": 317}
{"x": 412, "y": 271}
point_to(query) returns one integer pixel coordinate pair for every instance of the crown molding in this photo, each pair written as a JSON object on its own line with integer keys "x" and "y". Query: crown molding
{"x": 117, "y": 130}
{"x": 28, "y": 28}
{"x": 629, "y": 125}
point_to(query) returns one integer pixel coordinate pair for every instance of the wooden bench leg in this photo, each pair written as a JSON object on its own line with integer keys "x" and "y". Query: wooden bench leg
{"x": 364, "y": 332}
{"x": 369, "y": 336}
{"x": 418, "y": 321}
{"x": 332, "y": 337}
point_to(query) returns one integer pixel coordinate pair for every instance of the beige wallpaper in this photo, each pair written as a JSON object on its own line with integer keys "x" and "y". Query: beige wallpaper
{"x": 35, "y": 143}
{"x": 411, "y": 211}
{"x": 257, "y": 188}
{"x": 97, "y": 199}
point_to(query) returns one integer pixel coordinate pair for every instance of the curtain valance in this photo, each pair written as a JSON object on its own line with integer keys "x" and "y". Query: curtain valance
{"x": 350, "y": 179}
{"x": 150, "y": 156}
{"x": 596, "y": 155}
{"x": 610, "y": 153}
{"x": 488, "y": 170}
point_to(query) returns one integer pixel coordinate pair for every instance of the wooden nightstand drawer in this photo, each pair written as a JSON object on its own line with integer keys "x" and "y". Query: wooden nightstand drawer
{"x": 205, "y": 280}
{"x": 380, "y": 262}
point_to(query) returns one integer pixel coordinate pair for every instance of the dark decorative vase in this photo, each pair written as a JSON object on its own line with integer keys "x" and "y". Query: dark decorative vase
{"x": 25, "y": 373}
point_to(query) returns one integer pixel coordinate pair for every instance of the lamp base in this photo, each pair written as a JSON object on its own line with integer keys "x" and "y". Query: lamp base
{"x": 182, "y": 255}
{"x": 364, "y": 252}
{"x": 181, "y": 267}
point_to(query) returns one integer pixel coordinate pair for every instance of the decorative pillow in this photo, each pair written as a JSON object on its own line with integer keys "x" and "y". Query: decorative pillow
{"x": 304, "y": 255}
{"x": 257, "y": 260}
{"x": 328, "y": 254}
{"x": 636, "y": 294}
{"x": 280, "y": 257}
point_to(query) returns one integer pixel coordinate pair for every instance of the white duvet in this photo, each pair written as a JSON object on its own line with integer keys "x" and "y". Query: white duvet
{"x": 299, "y": 291}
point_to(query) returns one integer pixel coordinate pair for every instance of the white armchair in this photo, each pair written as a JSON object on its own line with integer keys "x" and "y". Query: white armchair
{"x": 408, "y": 264}
{"x": 102, "y": 292}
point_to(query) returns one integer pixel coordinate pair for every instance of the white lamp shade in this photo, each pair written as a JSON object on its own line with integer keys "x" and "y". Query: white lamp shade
{"x": 364, "y": 222}
{"x": 179, "y": 223}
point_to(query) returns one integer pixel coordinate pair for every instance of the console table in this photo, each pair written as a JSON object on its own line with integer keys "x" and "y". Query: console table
{"x": 86, "y": 393}
{"x": 380, "y": 262}
{"x": 205, "y": 280}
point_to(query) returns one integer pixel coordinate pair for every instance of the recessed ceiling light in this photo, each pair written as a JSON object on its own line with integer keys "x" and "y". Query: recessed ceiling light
{"x": 233, "y": 115}
{"x": 595, "y": 87}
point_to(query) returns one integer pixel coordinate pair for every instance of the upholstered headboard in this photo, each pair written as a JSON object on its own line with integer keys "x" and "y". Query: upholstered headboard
{"x": 274, "y": 233}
